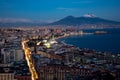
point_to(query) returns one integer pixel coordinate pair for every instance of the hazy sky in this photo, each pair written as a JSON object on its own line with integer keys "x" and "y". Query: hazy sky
{"x": 51, "y": 10}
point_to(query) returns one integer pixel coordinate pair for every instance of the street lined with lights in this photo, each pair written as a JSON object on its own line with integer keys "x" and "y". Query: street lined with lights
{"x": 27, "y": 52}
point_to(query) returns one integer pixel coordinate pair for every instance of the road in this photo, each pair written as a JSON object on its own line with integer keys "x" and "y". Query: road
{"x": 28, "y": 58}
{"x": 27, "y": 51}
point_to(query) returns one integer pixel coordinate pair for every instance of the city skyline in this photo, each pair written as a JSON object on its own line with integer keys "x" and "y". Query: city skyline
{"x": 52, "y": 10}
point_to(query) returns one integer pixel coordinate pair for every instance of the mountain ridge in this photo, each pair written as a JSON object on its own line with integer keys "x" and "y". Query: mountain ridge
{"x": 71, "y": 20}
{"x": 83, "y": 21}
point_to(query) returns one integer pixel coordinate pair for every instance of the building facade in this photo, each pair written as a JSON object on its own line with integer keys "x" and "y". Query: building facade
{"x": 59, "y": 72}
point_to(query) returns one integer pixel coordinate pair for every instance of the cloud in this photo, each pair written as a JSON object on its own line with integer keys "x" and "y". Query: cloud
{"x": 14, "y": 20}
{"x": 66, "y": 9}
{"x": 82, "y": 2}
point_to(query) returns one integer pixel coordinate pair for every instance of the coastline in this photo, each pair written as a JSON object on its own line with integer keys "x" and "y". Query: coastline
{"x": 97, "y": 41}
{"x": 72, "y": 34}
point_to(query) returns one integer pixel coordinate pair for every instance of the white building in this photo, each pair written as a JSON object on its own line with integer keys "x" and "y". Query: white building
{"x": 19, "y": 54}
{"x": 11, "y": 55}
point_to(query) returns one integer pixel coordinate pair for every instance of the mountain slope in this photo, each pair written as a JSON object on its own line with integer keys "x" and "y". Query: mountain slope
{"x": 70, "y": 20}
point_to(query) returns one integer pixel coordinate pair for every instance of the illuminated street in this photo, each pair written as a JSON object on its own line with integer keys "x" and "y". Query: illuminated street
{"x": 27, "y": 52}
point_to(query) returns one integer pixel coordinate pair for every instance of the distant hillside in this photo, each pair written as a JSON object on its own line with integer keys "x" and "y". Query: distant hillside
{"x": 19, "y": 24}
{"x": 85, "y": 20}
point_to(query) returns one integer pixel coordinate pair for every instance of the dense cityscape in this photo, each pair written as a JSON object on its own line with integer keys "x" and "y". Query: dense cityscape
{"x": 36, "y": 54}
{"x": 59, "y": 39}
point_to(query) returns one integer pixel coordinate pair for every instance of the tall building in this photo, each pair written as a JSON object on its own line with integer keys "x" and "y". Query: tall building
{"x": 0, "y": 56}
{"x": 8, "y": 55}
{"x": 2, "y": 41}
{"x": 19, "y": 55}
{"x": 11, "y": 55}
